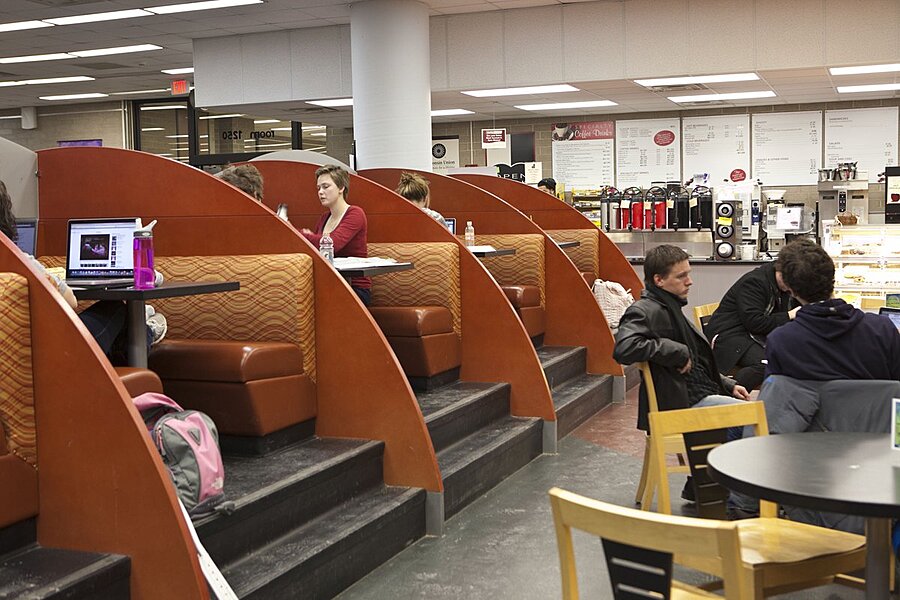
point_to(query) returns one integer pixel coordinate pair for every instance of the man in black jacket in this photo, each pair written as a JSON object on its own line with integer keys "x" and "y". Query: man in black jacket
{"x": 756, "y": 304}
{"x": 655, "y": 330}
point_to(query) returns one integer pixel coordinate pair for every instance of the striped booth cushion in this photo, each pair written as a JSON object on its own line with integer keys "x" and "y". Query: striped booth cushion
{"x": 525, "y": 267}
{"x": 16, "y": 383}
{"x": 586, "y": 256}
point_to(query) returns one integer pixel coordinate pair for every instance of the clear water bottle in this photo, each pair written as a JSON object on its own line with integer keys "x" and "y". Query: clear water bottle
{"x": 470, "y": 234}
{"x": 144, "y": 275}
{"x": 326, "y": 247}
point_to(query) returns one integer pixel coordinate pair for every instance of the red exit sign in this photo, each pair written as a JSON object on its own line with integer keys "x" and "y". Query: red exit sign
{"x": 179, "y": 87}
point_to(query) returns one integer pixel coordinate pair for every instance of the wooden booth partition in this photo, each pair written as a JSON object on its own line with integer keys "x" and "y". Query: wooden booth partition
{"x": 495, "y": 346}
{"x": 573, "y": 317}
{"x": 361, "y": 389}
{"x": 550, "y": 213}
{"x": 101, "y": 484}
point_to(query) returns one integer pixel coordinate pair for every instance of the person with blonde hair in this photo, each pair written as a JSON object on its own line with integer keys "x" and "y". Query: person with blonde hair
{"x": 417, "y": 190}
{"x": 246, "y": 178}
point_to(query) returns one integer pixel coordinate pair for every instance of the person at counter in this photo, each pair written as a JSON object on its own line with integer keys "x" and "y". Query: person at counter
{"x": 755, "y": 305}
{"x": 548, "y": 184}
{"x": 344, "y": 223}
{"x": 654, "y": 329}
{"x": 828, "y": 338}
{"x": 417, "y": 190}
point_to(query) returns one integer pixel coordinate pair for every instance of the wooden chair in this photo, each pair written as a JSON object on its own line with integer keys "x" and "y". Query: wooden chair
{"x": 702, "y": 314}
{"x": 777, "y": 555}
{"x": 639, "y": 548}
{"x": 672, "y": 445}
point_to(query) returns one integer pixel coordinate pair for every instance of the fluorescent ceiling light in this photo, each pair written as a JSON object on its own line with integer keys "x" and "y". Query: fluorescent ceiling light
{"x": 208, "y": 5}
{"x": 664, "y": 81}
{"x": 165, "y": 107}
{"x": 118, "y": 50}
{"x": 265, "y": 121}
{"x": 74, "y": 96}
{"x": 35, "y": 58}
{"x": 716, "y": 97}
{"x": 565, "y": 105}
{"x": 96, "y": 17}
{"x": 12, "y": 117}
{"x": 864, "y": 69}
{"x": 153, "y": 128}
{"x": 11, "y": 83}
{"x": 183, "y": 135}
{"x": 22, "y": 25}
{"x": 318, "y": 134}
{"x": 451, "y": 112}
{"x": 879, "y": 87}
{"x": 332, "y": 103}
{"x": 57, "y": 80}
{"x": 207, "y": 117}
{"x": 159, "y": 91}
{"x": 312, "y": 127}
{"x": 522, "y": 91}
{"x": 181, "y": 71}
{"x": 281, "y": 129}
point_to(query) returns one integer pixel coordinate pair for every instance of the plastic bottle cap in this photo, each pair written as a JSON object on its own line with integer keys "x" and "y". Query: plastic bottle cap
{"x": 141, "y": 231}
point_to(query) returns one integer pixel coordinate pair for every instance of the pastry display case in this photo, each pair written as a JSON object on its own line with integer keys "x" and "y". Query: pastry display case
{"x": 866, "y": 260}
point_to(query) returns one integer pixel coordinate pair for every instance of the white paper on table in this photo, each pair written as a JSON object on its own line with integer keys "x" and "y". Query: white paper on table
{"x": 484, "y": 248}
{"x": 359, "y": 262}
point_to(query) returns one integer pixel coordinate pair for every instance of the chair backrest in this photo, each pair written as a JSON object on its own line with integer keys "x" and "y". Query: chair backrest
{"x": 434, "y": 281}
{"x": 652, "y": 402}
{"x": 586, "y": 255}
{"x": 703, "y": 313}
{"x": 639, "y": 546}
{"x": 703, "y": 429}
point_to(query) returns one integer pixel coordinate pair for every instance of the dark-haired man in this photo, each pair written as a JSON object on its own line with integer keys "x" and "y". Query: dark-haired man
{"x": 655, "y": 330}
{"x": 548, "y": 185}
{"x": 828, "y": 339}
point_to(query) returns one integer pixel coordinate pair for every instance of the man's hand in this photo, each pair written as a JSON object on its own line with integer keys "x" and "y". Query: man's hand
{"x": 740, "y": 392}
{"x": 686, "y": 368}
{"x": 792, "y": 314}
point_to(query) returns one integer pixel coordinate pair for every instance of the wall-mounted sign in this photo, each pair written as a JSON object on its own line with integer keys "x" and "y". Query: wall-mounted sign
{"x": 493, "y": 138}
{"x": 515, "y": 172}
{"x": 583, "y": 153}
{"x": 444, "y": 153}
{"x": 179, "y": 87}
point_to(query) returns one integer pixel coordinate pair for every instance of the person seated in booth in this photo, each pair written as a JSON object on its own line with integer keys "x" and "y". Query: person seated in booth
{"x": 828, "y": 339}
{"x": 344, "y": 223}
{"x": 417, "y": 190}
{"x": 548, "y": 184}
{"x": 105, "y": 320}
{"x": 246, "y": 178}
{"x": 750, "y": 310}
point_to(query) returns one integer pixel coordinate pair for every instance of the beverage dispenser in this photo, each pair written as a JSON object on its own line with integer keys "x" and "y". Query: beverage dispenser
{"x": 677, "y": 207}
{"x": 633, "y": 197}
{"x": 655, "y": 207}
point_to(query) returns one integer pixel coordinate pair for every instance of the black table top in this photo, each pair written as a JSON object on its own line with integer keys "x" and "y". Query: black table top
{"x": 168, "y": 289}
{"x": 568, "y": 244}
{"x": 493, "y": 253}
{"x": 375, "y": 270}
{"x": 851, "y": 473}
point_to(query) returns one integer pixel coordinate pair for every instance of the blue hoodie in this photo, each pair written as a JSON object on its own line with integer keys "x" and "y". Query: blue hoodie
{"x": 832, "y": 340}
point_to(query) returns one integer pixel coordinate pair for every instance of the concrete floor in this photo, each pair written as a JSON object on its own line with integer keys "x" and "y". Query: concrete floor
{"x": 503, "y": 545}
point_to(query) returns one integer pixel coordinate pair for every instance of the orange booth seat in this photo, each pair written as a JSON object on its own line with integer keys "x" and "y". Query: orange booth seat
{"x": 246, "y": 358}
{"x": 520, "y": 275}
{"x": 419, "y": 310}
{"x": 586, "y": 255}
{"x": 18, "y": 442}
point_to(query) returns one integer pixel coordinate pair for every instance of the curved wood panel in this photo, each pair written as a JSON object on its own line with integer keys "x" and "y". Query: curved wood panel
{"x": 495, "y": 346}
{"x": 361, "y": 389}
{"x": 551, "y": 213}
{"x": 102, "y": 486}
{"x": 573, "y": 317}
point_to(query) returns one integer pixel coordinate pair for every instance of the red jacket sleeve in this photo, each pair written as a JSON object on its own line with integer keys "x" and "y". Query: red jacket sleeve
{"x": 315, "y": 238}
{"x": 353, "y": 222}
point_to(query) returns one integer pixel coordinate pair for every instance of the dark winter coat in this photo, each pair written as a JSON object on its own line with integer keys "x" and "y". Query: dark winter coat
{"x": 748, "y": 312}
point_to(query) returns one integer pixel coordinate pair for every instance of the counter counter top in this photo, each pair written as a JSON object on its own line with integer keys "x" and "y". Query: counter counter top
{"x": 639, "y": 260}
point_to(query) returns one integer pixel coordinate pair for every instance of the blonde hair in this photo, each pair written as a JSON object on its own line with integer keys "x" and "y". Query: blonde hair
{"x": 413, "y": 187}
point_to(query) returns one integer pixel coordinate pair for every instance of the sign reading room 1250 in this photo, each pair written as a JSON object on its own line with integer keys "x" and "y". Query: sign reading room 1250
{"x": 493, "y": 138}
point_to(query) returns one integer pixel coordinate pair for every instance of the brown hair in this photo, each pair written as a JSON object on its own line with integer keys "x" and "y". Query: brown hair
{"x": 807, "y": 270}
{"x": 660, "y": 260}
{"x": 246, "y": 178}
{"x": 7, "y": 218}
{"x": 413, "y": 187}
{"x": 339, "y": 176}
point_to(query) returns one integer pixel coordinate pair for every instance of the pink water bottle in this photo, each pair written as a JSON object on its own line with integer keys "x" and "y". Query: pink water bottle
{"x": 144, "y": 274}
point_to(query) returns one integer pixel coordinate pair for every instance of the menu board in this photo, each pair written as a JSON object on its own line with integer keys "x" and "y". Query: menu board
{"x": 787, "y": 147}
{"x": 647, "y": 150}
{"x": 717, "y": 145}
{"x": 866, "y": 136}
{"x": 583, "y": 154}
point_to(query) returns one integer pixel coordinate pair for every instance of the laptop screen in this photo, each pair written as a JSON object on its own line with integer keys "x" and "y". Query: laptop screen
{"x": 892, "y": 313}
{"x": 100, "y": 248}
{"x": 451, "y": 225}
{"x": 27, "y": 234}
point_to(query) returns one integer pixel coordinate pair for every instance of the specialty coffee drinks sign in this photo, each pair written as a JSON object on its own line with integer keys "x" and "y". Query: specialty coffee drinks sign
{"x": 583, "y": 153}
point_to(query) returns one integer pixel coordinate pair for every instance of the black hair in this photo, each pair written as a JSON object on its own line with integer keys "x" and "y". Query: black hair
{"x": 7, "y": 218}
{"x": 807, "y": 270}
{"x": 547, "y": 182}
{"x": 660, "y": 260}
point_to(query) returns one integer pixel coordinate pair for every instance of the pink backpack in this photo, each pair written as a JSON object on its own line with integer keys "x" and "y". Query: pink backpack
{"x": 189, "y": 444}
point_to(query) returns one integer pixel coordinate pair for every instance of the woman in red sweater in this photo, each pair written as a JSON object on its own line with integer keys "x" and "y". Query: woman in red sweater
{"x": 345, "y": 224}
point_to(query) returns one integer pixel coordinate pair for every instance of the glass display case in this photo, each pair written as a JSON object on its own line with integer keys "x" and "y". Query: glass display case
{"x": 867, "y": 263}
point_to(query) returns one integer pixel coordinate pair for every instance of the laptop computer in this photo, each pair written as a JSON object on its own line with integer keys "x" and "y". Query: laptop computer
{"x": 100, "y": 253}
{"x": 451, "y": 224}
{"x": 26, "y": 230}
{"x": 892, "y": 313}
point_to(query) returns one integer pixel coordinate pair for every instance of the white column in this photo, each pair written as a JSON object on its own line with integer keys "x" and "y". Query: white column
{"x": 391, "y": 70}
